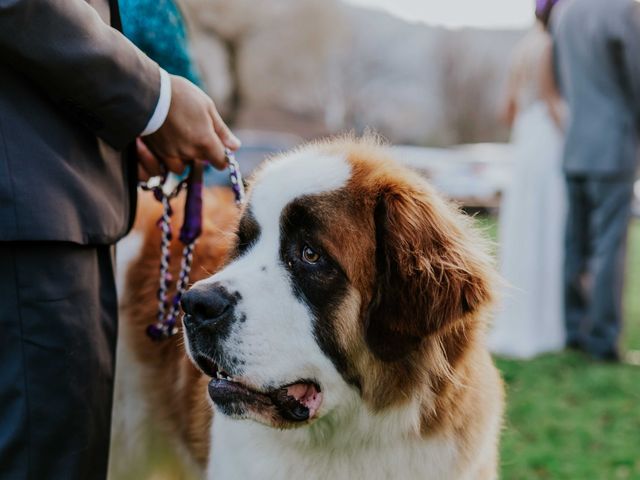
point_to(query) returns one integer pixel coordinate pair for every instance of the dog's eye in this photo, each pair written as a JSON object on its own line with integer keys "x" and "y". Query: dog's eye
{"x": 309, "y": 255}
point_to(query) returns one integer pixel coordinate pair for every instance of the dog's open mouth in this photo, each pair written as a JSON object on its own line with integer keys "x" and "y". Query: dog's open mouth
{"x": 295, "y": 402}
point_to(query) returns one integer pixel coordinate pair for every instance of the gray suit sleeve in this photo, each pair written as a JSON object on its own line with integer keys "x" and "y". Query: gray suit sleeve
{"x": 80, "y": 61}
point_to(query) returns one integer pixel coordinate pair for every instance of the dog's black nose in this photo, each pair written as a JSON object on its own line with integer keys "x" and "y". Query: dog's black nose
{"x": 208, "y": 304}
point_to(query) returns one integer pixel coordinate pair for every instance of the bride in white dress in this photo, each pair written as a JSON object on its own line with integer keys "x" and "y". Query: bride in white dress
{"x": 532, "y": 216}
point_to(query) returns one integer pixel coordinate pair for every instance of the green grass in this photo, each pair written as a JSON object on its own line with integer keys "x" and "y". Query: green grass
{"x": 570, "y": 418}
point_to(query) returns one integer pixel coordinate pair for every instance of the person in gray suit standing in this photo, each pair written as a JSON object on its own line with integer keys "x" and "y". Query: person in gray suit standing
{"x": 75, "y": 95}
{"x": 597, "y": 58}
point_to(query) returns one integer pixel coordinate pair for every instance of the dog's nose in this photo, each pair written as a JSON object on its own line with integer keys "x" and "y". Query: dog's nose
{"x": 208, "y": 304}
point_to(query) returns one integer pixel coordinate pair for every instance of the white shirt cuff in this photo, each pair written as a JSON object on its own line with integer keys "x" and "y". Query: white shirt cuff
{"x": 162, "y": 107}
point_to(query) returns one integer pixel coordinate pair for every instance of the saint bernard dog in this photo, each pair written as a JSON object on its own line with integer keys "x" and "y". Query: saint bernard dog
{"x": 335, "y": 330}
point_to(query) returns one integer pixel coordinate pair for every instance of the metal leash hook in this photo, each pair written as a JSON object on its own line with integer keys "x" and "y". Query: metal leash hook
{"x": 164, "y": 190}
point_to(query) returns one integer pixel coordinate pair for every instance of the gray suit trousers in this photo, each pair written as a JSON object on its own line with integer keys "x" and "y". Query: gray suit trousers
{"x": 599, "y": 213}
{"x": 58, "y": 328}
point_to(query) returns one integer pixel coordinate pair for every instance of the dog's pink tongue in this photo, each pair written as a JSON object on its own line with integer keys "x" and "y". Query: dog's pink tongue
{"x": 308, "y": 395}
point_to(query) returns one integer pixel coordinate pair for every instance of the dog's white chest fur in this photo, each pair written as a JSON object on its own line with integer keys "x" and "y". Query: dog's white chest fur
{"x": 244, "y": 449}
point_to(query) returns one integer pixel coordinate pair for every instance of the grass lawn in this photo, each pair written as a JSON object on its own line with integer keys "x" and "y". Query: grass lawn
{"x": 570, "y": 418}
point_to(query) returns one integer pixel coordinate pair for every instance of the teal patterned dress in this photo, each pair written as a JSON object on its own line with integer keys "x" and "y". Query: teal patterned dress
{"x": 157, "y": 28}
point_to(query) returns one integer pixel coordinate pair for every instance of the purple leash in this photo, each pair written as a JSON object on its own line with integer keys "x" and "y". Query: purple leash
{"x": 164, "y": 191}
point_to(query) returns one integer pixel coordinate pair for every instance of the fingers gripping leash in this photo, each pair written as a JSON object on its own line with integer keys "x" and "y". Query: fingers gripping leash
{"x": 164, "y": 190}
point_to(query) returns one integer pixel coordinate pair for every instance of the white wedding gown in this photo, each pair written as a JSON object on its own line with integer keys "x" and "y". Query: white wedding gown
{"x": 531, "y": 232}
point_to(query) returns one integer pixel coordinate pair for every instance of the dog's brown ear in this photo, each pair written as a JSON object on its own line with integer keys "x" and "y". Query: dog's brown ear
{"x": 428, "y": 274}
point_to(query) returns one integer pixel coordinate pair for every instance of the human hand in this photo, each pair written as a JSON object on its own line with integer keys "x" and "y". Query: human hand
{"x": 193, "y": 130}
{"x": 148, "y": 164}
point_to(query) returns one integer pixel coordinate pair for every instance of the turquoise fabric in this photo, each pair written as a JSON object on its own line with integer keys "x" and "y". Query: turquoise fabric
{"x": 158, "y": 29}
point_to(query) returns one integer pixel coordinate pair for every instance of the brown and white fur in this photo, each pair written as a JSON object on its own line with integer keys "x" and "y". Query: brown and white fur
{"x": 348, "y": 316}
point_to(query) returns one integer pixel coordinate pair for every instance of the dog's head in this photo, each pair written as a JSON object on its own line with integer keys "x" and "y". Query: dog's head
{"x": 351, "y": 280}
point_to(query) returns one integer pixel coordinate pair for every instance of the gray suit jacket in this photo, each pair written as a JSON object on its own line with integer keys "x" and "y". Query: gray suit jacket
{"x": 597, "y": 55}
{"x": 73, "y": 94}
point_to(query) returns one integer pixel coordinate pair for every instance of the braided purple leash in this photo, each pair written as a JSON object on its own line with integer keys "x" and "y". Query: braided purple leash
{"x": 165, "y": 325}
